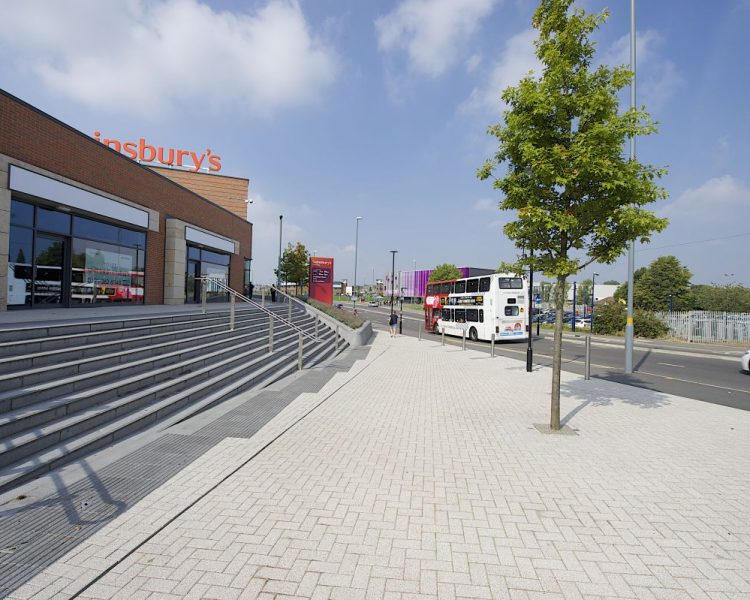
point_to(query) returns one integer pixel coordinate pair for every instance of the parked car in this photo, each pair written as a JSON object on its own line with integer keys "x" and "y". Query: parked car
{"x": 373, "y": 303}
{"x": 746, "y": 362}
{"x": 339, "y": 305}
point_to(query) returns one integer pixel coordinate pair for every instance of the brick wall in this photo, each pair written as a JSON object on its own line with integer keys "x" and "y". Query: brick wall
{"x": 30, "y": 135}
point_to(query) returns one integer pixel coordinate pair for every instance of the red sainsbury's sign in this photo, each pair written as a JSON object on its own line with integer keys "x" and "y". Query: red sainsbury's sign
{"x": 143, "y": 152}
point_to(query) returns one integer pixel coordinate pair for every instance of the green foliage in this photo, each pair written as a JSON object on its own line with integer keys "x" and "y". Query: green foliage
{"x": 730, "y": 297}
{"x": 621, "y": 293}
{"x": 583, "y": 292}
{"x": 653, "y": 285}
{"x": 295, "y": 264}
{"x": 646, "y": 325}
{"x": 609, "y": 318}
{"x": 339, "y": 314}
{"x": 611, "y": 282}
{"x": 444, "y": 271}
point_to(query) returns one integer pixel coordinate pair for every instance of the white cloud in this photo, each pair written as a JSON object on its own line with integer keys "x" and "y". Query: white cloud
{"x": 658, "y": 78}
{"x": 433, "y": 33}
{"x": 473, "y": 62}
{"x": 486, "y": 205}
{"x": 722, "y": 201}
{"x": 516, "y": 60}
{"x": 147, "y": 58}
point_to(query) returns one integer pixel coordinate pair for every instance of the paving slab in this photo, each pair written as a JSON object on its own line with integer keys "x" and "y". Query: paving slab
{"x": 419, "y": 473}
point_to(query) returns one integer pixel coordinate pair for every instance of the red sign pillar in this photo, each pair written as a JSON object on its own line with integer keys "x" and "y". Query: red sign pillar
{"x": 321, "y": 279}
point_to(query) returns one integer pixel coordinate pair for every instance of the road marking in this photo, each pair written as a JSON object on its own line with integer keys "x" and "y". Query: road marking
{"x": 671, "y": 365}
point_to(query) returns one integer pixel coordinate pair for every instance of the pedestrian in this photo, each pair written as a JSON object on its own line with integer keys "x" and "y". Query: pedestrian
{"x": 392, "y": 323}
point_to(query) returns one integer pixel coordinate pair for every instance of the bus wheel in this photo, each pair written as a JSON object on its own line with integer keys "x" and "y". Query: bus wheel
{"x": 473, "y": 334}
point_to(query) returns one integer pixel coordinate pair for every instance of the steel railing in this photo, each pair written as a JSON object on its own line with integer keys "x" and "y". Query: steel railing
{"x": 234, "y": 295}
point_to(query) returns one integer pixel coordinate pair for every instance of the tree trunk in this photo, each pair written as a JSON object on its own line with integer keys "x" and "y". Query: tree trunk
{"x": 554, "y": 419}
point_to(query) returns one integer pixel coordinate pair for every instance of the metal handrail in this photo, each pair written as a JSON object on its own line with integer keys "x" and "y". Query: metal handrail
{"x": 220, "y": 283}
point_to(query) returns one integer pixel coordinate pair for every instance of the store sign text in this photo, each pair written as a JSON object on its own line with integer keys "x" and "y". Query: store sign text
{"x": 143, "y": 152}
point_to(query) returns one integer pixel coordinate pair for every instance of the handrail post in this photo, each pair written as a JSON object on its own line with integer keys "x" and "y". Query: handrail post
{"x": 337, "y": 337}
{"x": 317, "y": 318}
{"x": 204, "y": 284}
{"x": 270, "y": 333}
{"x": 299, "y": 353}
{"x": 442, "y": 335}
{"x": 290, "y": 309}
{"x": 231, "y": 312}
{"x": 263, "y": 297}
{"x": 492, "y": 345}
{"x": 463, "y": 339}
{"x": 587, "y": 374}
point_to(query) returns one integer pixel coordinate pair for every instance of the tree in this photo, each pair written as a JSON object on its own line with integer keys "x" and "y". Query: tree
{"x": 663, "y": 277}
{"x": 295, "y": 263}
{"x": 584, "y": 292}
{"x": 444, "y": 271}
{"x": 578, "y": 200}
{"x": 621, "y": 293}
{"x": 611, "y": 282}
{"x": 729, "y": 298}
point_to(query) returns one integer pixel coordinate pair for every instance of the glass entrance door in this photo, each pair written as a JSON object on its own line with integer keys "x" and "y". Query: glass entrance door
{"x": 51, "y": 284}
{"x": 192, "y": 287}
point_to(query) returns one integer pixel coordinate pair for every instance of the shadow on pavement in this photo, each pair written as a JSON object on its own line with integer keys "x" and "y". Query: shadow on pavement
{"x": 599, "y": 391}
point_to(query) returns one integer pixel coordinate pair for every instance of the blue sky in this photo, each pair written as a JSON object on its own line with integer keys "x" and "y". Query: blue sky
{"x": 337, "y": 109}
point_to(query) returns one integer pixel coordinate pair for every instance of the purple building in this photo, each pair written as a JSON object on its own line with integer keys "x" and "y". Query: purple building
{"x": 414, "y": 283}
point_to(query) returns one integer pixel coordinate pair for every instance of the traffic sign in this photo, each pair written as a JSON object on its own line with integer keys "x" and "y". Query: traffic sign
{"x": 538, "y": 299}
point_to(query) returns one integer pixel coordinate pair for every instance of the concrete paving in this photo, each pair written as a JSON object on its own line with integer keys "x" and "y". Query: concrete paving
{"x": 418, "y": 473}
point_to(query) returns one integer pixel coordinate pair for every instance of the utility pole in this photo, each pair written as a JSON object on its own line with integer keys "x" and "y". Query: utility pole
{"x": 278, "y": 267}
{"x": 529, "y": 348}
{"x": 631, "y": 248}
{"x": 356, "y": 247}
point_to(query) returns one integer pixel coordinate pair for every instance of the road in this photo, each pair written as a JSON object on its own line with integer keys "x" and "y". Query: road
{"x": 707, "y": 374}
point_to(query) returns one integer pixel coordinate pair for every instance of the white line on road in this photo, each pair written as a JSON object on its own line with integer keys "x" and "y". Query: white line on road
{"x": 671, "y": 365}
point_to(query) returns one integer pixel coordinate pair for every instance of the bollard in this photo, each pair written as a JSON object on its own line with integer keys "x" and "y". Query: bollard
{"x": 270, "y": 333}
{"x": 316, "y": 326}
{"x": 463, "y": 339}
{"x": 588, "y": 358}
{"x": 203, "y": 296}
{"x": 492, "y": 346}
{"x": 337, "y": 337}
{"x": 419, "y": 333}
{"x": 299, "y": 353}
{"x": 442, "y": 334}
{"x": 538, "y": 323}
{"x": 231, "y": 312}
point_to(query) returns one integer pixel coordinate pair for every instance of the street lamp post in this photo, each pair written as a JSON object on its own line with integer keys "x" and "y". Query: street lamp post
{"x": 593, "y": 299}
{"x": 356, "y": 248}
{"x": 278, "y": 267}
{"x": 393, "y": 272}
{"x": 529, "y": 347}
{"x": 573, "y": 323}
{"x": 629, "y": 330}
{"x": 670, "y": 304}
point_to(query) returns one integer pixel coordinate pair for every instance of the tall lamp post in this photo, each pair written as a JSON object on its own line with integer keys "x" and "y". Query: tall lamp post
{"x": 356, "y": 248}
{"x": 629, "y": 331}
{"x": 529, "y": 348}
{"x": 393, "y": 273}
{"x": 278, "y": 267}
{"x": 593, "y": 299}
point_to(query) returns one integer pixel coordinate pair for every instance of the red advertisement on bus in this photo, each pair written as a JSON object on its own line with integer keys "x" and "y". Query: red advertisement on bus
{"x": 435, "y": 298}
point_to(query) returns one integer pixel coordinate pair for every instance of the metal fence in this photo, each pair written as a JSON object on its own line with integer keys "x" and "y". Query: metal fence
{"x": 708, "y": 327}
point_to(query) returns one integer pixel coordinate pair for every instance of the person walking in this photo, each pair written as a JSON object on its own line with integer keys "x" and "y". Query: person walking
{"x": 393, "y": 323}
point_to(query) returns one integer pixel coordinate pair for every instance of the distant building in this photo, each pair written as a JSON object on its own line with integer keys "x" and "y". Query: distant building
{"x": 412, "y": 284}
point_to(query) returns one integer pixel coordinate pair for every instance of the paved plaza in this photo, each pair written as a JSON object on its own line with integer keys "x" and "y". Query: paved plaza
{"x": 418, "y": 474}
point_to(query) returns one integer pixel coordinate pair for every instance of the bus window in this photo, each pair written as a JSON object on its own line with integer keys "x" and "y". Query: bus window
{"x": 460, "y": 287}
{"x": 484, "y": 284}
{"x": 472, "y": 286}
{"x": 511, "y": 311}
{"x": 445, "y": 288}
{"x": 460, "y": 315}
{"x": 510, "y": 283}
{"x": 472, "y": 314}
{"x": 481, "y": 315}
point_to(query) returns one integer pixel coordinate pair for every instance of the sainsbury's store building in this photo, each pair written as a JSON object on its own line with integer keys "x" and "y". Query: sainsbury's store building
{"x": 82, "y": 224}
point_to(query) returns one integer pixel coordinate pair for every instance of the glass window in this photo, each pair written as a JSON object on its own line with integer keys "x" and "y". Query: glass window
{"x": 104, "y": 273}
{"x": 214, "y": 257}
{"x": 511, "y": 311}
{"x": 52, "y": 220}
{"x": 430, "y": 289}
{"x": 484, "y": 284}
{"x": 460, "y": 287}
{"x": 21, "y": 213}
{"x": 481, "y": 315}
{"x": 194, "y": 253}
{"x": 510, "y": 283}
{"x": 128, "y": 237}
{"x": 460, "y": 315}
{"x": 95, "y": 230}
{"x": 472, "y": 286}
{"x": 19, "y": 266}
{"x": 445, "y": 288}
{"x": 472, "y": 315}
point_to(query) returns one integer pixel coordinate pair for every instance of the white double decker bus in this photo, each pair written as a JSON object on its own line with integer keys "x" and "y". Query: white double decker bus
{"x": 482, "y": 306}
